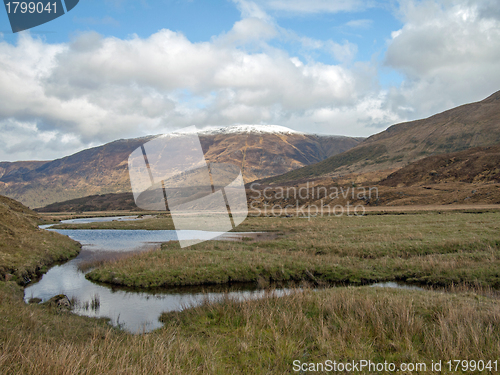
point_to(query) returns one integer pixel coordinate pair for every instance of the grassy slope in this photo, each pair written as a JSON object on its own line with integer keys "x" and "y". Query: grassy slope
{"x": 255, "y": 337}
{"x": 356, "y": 155}
{"x": 26, "y": 250}
{"x": 103, "y": 170}
{"x": 429, "y": 248}
{"x": 104, "y": 202}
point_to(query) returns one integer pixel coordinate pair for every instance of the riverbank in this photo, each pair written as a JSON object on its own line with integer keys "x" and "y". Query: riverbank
{"x": 25, "y": 250}
{"x": 429, "y": 248}
{"x": 258, "y": 336}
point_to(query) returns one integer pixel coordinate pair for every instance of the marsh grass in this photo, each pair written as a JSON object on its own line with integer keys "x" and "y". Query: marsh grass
{"x": 426, "y": 248}
{"x": 98, "y": 260}
{"x": 255, "y": 336}
{"x": 87, "y": 265}
{"x": 93, "y": 304}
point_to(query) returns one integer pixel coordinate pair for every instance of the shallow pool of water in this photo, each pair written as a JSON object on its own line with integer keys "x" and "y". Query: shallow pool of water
{"x": 125, "y": 240}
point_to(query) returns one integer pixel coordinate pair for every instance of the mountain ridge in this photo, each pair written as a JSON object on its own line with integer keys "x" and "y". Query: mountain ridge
{"x": 104, "y": 169}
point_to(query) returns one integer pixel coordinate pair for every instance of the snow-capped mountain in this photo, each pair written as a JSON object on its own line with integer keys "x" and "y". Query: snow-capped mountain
{"x": 259, "y": 150}
{"x": 234, "y": 129}
{"x": 254, "y": 129}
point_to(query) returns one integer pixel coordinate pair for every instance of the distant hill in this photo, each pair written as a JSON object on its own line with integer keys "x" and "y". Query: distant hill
{"x": 478, "y": 164}
{"x": 458, "y": 129}
{"x": 262, "y": 151}
{"x": 98, "y": 170}
{"x": 104, "y": 202}
{"x": 469, "y": 177}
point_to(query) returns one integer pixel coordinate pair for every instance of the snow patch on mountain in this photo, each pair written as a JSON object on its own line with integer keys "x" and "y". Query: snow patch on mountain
{"x": 240, "y": 129}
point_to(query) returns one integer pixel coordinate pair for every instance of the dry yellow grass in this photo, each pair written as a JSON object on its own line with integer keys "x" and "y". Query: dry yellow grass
{"x": 256, "y": 337}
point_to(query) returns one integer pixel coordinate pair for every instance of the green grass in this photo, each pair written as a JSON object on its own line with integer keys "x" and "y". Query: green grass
{"x": 431, "y": 248}
{"x": 158, "y": 222}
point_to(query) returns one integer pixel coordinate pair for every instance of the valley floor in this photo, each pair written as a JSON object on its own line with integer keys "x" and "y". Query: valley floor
{"x": 270, "y": 335}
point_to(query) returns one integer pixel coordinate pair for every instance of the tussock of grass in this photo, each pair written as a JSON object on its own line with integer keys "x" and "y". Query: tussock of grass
{"x": 431, "y": 248}
{"x": 346, "y": 324}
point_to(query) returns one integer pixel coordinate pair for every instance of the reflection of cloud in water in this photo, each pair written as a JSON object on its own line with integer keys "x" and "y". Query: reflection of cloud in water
{"x": 118, "y": 240}
{"x": 136, "y": 311}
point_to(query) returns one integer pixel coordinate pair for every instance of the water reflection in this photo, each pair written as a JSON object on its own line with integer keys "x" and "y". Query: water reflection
{"x": 132, "y": 310}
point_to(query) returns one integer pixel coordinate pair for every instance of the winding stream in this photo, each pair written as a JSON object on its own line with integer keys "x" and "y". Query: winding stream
{"x": 132, "y": 310}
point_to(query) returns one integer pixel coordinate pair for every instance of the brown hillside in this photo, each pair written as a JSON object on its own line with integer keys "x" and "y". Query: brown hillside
{"x": 7, "y": 168}
{"x": 264, "y": 155}
{"x": 98, "y": 170}
{"x": 104, "y": 202}
{"x": 479, "y": 164}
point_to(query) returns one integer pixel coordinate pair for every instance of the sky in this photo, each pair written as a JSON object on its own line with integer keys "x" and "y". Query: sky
{"x": 114, "y": 69}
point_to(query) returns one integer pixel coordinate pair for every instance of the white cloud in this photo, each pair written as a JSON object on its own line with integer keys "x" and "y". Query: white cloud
{"x": 344, "y": 52}
{"x": 23, "y": 140}
{"x": 95, "y": 89}
{"x": 248, "y": 31}
{"x": 58, "y": 98}
{"x": 250, "y": 9}
{"x": 449, "y": 52}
